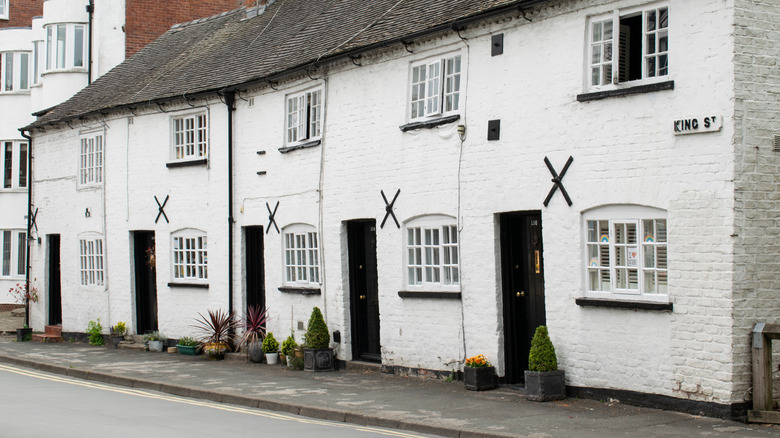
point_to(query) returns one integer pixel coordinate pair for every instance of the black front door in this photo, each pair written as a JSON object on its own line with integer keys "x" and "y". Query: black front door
{"x": 364, "y": 293}
{"x": 145, "y": 281}
{"x": 255, "y": 267}
{"x": 522, "y": 274}
{"x": 55, "y": 285}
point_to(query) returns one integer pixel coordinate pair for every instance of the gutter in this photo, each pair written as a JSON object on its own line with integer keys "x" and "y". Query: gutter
{"x": 230, "y": 98}
{"x": 29, "y": 217}
{"x": 455, "y": 25}
{"x": 91, "y": 11}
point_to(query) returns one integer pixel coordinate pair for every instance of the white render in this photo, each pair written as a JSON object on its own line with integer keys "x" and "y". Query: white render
{"x": 625, "y": 154}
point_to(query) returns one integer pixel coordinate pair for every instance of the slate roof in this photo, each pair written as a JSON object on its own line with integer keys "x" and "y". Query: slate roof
{"x": 229, "y": 49}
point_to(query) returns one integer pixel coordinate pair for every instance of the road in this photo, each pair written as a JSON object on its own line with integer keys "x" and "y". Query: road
{"x": 36, "y": 404}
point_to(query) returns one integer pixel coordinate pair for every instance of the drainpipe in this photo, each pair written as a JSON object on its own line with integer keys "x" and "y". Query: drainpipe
{"x": 29, "y": 216}
{"x": 91, "y": 12}
{"x": 230, "y": 98}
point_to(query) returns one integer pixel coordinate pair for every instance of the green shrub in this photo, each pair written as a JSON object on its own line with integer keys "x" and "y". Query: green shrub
{"x": 317, "y": 334}
{"x": 119, "y": 329}
{"x": 542, "y": 354}
{"x": 187, "y": 341}
{"x": 289, "y": 345}
{"x": 270, "y": 344}
{"x": 93, "y": 332}
{"x": 154, "y": 336}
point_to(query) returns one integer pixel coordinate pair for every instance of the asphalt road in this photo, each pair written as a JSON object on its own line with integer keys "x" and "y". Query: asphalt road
{"x": 38, "y": 404}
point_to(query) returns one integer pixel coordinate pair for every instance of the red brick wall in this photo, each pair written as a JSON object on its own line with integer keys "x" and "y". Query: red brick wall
{"x": 21, "y": 13}
{"x": 145, "y": 20}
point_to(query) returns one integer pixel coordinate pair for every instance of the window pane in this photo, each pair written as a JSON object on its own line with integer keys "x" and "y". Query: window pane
{"x": 78, "y": 46}
{"x": 61, "y": 32}
{"x": 23, "y": 165}
{"x": 649, "y": 286}
{"x": 9, "y": 72}
{"x": 6, "y": 253}
{"x": 8, "y": 164}
{"x": 24, "y": 73}
{"x": 49, "y": 44}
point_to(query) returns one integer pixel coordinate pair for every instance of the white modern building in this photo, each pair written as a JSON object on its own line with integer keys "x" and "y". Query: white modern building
{"x": 395, "y": 170}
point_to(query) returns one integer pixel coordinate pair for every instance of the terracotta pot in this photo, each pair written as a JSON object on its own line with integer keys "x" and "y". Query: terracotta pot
{"x": 215, "y": 350}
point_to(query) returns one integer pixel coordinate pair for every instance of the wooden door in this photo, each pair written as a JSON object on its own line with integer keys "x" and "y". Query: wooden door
{"x": 254, "y": 266}
{"x": 55, "y": 283}
{"x": 364, "y": 292}
{"x": 145, "y": 281}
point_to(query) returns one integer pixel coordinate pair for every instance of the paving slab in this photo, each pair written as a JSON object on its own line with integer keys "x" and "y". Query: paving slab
{"x": 370, "y": 398}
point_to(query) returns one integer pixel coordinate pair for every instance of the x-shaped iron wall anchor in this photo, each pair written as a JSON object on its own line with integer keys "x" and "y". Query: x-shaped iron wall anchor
{"x": 32, "y": 220}
{"x": 389, "y": 209}
{"x": 271, "y": 220}
{"x": 557, "y": 181}
{"x": 161, "y": 209}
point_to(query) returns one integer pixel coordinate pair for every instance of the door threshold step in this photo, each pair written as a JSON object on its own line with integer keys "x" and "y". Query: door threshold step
{"x": 365, "y": 367}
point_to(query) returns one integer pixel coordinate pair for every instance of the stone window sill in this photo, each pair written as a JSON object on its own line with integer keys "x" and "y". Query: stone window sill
{"x": 187, "y": 163}
{"x": 189, "y": 285}
{"x": 300, "y": 290}
{"x": 427, "y": 294}
{"x": 305, "y": 145}
{"x": 432, "y": 123}
{"x": 620, "y": 304}
{"x": 639, "y": 89}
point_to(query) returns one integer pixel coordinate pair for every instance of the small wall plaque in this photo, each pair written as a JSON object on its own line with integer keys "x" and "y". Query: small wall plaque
{"x": 698, "y": 124}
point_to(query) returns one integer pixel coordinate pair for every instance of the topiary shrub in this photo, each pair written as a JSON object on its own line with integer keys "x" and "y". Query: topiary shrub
{"x": 542, "y": 355}
{"x": 289, "y": 345}
{"x": 317, "y": 334}
{"x": 270, "y": 344}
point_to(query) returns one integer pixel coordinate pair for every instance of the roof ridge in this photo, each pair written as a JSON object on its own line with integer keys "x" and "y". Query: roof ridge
{"x": 205, "y": 19}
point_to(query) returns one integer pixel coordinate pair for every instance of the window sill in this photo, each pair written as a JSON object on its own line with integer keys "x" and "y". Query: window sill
{"x": 427, "y": 294}
{"x": 65, "y": 70}
{"x": 15, "y": 93}
{"x": 639, "y": 89}
{"x": 305, "y": 145}
{"x": 432, "y": 123}
{"x": 300, "y": 290}
{"x": 187, "y": 163}
{"x": 619, "y": 304}
{"x": 189, "y": 285}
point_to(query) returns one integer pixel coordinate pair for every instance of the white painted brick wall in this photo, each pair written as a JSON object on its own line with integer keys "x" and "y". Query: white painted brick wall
{"x": 624, "y": 153}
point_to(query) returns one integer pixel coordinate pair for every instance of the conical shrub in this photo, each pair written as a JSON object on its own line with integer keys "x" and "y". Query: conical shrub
{"x": 542, "y": 355}
{"x": 317, "y": 334}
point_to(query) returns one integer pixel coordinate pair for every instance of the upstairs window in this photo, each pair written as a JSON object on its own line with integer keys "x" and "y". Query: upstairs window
{"x": 432, "y": 255}
{"x": 13, "y": 244}
{"x": 435, "y": 87}
{"x": 190, "y": 256}
{"x": 91, "y": 159}
{"x": 14, "y": 162}
{"x": 91, "y": 258}
{"x": 15, "y": 71}
{"x": 4, "y": 10}
{"x": 626, "y": 253}
{"x": 304, "y": 116}
{"x": 628, "y": 45}
{"x": 65, "y": 46}
{"x": 190, "y": 136}
{"x": 301, "y": 255}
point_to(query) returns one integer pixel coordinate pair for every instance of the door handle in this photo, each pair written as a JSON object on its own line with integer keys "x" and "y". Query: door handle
{"x": 520, "y": 294}
{"x": 362, "y": 297}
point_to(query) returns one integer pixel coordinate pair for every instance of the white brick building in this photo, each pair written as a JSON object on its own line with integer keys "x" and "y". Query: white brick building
{"x": 650, "y": 279}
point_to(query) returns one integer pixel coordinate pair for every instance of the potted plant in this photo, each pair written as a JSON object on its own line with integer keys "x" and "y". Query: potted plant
{"x": 189, "y": 346}
{"x": 155, "y": 340}
{"x": 21, "y": 295}
{"x": 216, "y": 332}
{"x": 478, "y": 375}
{"x": 94, "y": 333}
{"x": 288, "y": 349}
{"x": 271, "y": 349}
{"x": 254, "y": 332}
{"x": 317, "y": 354}
{"x": 118, "y": 333}
{"x": 543, "y": 380}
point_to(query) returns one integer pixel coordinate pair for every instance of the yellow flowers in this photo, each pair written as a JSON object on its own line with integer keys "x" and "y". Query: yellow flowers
{"x": 478, "y": 361}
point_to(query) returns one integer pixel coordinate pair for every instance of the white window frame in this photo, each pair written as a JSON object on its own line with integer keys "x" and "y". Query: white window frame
{"x": 304, "y": 114}
{"x": 190, "y": 136}
{"x": 4, "y": 12}
{"x": 432, "y": 254}
{"x": 38, "y": 61}
{"x": 19, "y": 173}
{"x": 301, "y": 255}
{"x": 13, "y": 253}
{"x": 62, "y": 49}
{"x": 91, "y": 261}
{"x": 15, "y": 74}
{"x": 603, "y": 54}
{"x": 91, "y": 158}
{"x": 189, "y": 256}
{"x": 607, "y": 253}
{"x": 436, "y": 86}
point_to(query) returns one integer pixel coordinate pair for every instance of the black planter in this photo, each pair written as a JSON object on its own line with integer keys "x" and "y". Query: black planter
{"x": 479, "y": 379}
{"x": 545, "y": 385}
{"x": 318, "y": 359}
{"x": 115, "y": 340}
{"x": 23, "y": 334}
{"x": 255, "y": 351}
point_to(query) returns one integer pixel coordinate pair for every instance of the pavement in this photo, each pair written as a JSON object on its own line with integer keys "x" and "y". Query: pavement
{"x": 365, "y": 397}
